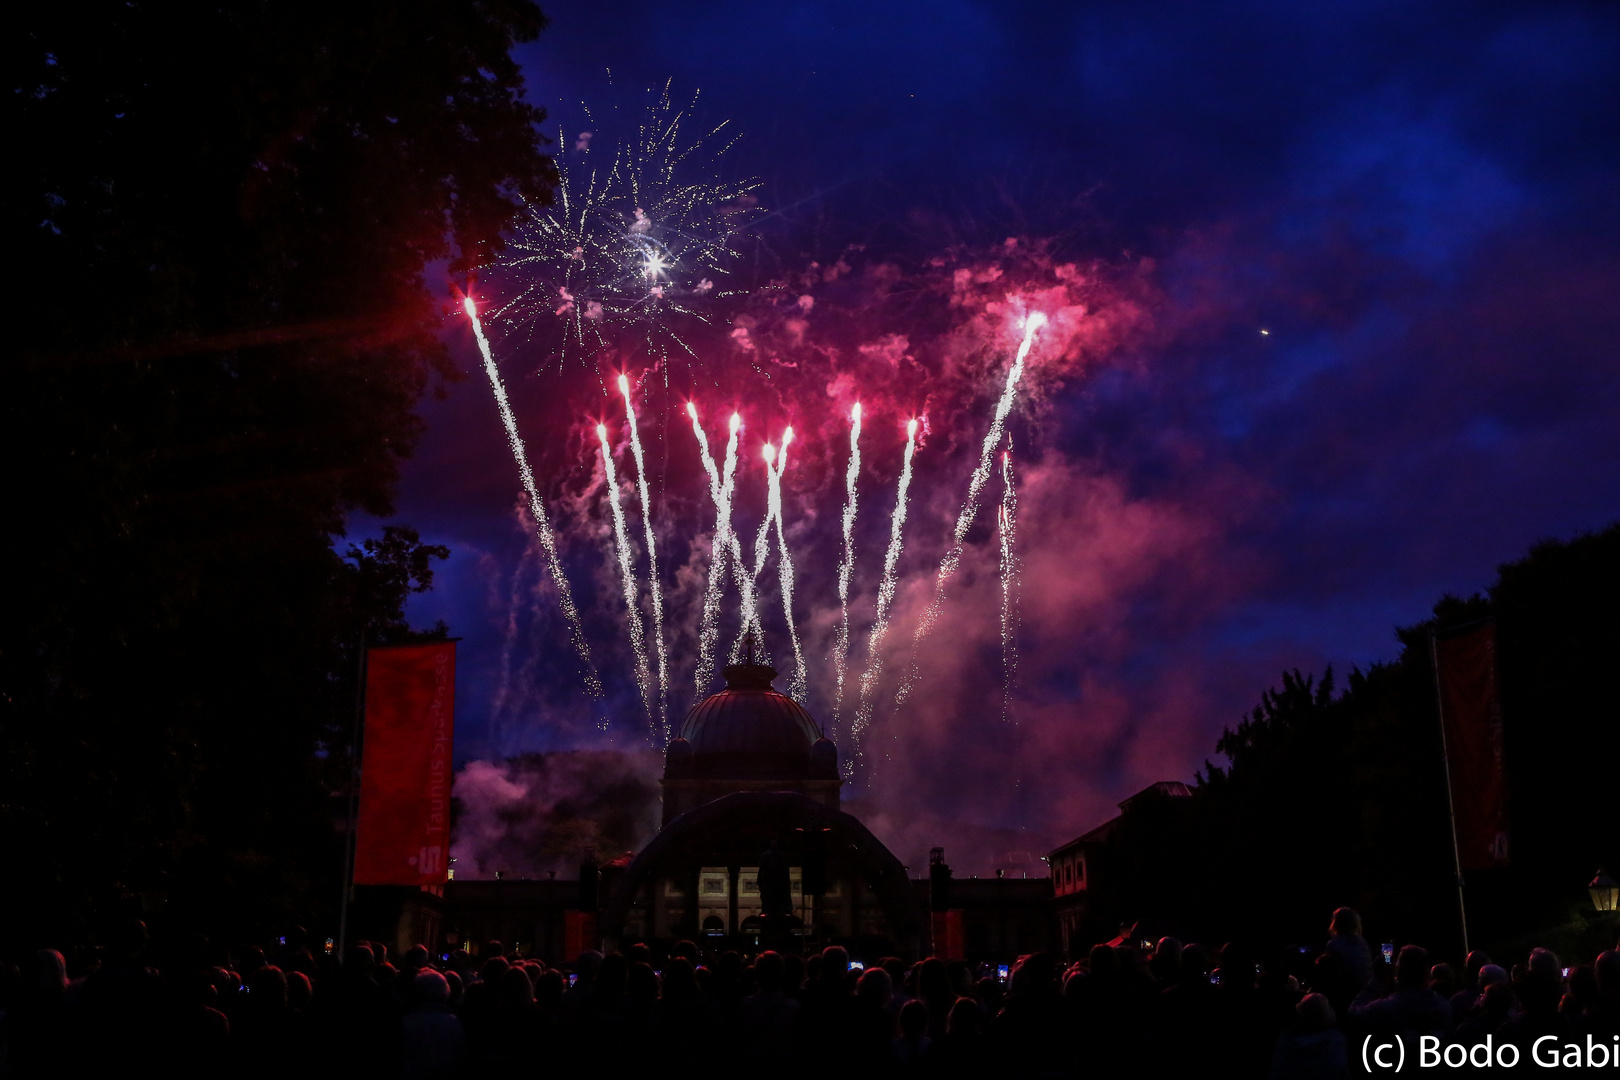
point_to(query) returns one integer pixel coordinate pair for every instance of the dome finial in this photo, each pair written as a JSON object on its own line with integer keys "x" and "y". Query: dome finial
{"x": 749, "y": 673}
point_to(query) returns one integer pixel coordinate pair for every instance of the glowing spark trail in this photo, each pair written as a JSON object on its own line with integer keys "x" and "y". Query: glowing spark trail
{"x": 880, "y": 624}
{"x": 638, "y": 636}
{"x": 762, "y": 539}
{"x": 970, "y": 506}
{"x": 720, "y": 490}
{"x": 748, "y": 580}
{"x": 537, "y": 509}
{"x": 503, "y": 689}
{"x": 784, "y": 567}
{"x": 662, "y": 655}
{"x": 1008, "y": 528}
{"x": 846, "y": 568}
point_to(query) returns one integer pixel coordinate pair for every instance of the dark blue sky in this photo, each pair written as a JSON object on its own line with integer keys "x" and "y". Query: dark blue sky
{"x": 1416, "y": 202}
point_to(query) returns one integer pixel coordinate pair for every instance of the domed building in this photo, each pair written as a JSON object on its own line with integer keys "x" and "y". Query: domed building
{"x": 752, "y": 772}
{"x": 751, "y": 778}
{"x": 748, "y": 737}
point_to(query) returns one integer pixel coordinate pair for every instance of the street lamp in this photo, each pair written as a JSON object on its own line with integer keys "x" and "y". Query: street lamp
{"x": 1605, "y": 893}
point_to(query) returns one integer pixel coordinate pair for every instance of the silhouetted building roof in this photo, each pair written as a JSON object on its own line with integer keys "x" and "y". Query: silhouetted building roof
{"x": 1071, "y": 878}
{"x": 1169, "y": 789}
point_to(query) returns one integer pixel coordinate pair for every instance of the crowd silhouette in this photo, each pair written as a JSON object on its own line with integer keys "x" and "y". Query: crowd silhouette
{"x": 1121, "y": 1010}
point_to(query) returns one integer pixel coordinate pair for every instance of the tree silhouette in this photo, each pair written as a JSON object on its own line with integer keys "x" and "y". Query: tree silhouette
{"x": 1334, "y": 798}
{"x": 226, "y": 214}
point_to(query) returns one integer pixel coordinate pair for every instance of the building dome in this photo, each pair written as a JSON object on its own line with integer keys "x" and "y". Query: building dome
{"x": 748, "y": 737}
{"x": 749, "y": 724}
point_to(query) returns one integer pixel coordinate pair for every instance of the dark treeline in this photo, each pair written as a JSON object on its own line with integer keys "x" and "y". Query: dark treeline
{"x": 1335, "y": 793}
{"x": 221, "y": 216}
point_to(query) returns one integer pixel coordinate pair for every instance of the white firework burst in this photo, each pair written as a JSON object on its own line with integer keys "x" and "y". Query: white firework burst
{"x": 638, "y": 240}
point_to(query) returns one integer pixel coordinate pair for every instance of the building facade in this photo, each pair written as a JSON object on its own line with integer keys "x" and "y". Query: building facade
{"x": 1070, "y": 866}
{"x": 751, "y": 780}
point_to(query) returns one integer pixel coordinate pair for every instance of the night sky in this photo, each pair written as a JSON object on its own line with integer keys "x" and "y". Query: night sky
{"x": 1345, "y": 341}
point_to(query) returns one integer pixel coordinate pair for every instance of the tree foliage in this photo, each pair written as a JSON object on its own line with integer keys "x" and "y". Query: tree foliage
{"x": 1332, "y": 797}
{"x": 225, "y": 214}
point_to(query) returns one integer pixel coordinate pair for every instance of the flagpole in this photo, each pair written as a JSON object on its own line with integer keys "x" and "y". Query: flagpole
{"x": 351, "y": 834}
{"x": 1451, "y": 800}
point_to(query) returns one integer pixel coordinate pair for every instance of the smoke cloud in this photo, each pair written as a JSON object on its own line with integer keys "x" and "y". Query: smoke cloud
{"x": 538, "y": 813}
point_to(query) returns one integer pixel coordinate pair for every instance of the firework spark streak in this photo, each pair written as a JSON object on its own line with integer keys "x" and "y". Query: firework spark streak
{"x": 846, "y": 568}
{"x": 662, "y": 654}
{"x": 720, "y": 490}
{"x": 784, "y": 567}
{"x": 503, "y": 690}
{"x": 970, "y": 505}
{"x": 537, "y": 509}
{"x": 638, "y": 636}
{"x": 747, "y": 581}
{"x": 1008, "y": 529}
{"x": 880, "y": 623}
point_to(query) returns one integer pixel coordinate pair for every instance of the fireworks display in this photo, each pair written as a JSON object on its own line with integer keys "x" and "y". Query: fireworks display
{"x": 784, "y": 567}
{"x": 627, "y": 573}
{"x": 503, "y": 689}
{"x": 537, "y": 509}
{"x": 766, "y": 362}
{"x": 1007, "y": 532}
{"x": 970, "y": 506}
{"x": 885, "y": 598}
{"x": 846, "y": 569}
{"x": 762, "y": 543}
{"x": 660, "y": 653}
{"x": 650, "y": 653}
{"x": 637, "y": 240}
{"x": 721, "y": 488}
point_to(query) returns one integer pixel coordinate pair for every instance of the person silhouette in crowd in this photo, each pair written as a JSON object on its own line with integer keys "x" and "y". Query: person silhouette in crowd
{"x": 1184, "y": 1015}
{"x": 686, "y": 1024}
{"x": 767, "y": 1019}
{"x": 826, "y": 1011}
{"x": 1488, "y": 1015}
{"x": 1346, "y": 943}
{"x": 1409, "y": 1010}
{"x": 1468, "y": 985}
{"x": 1030, "y": 1033}
{"x": 875, "y": 1025}
{"x": 1313, "y": 1048}
{"x": 912, "y": 1047}
{"x": 965, "y": 1049}
{"x": 269, "y": 1034}
{"x": 1539, "y": 987}
{"x": 433, "y": 1039}
{"x": 1465, "y": 999}
{"x": 1604, "y": 1021}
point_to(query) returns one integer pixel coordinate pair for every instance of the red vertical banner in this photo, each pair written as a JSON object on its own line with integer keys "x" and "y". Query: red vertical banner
{"x": 579, "y": 934}
{"x": 404, "y": 828}
{"x": 1471, "y": 714}
{"x": 949, "y": 939}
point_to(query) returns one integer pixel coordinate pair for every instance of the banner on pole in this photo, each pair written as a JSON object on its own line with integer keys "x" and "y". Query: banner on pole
{"x": 404, "y": 827}
{"x": 1471, "y": 715}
